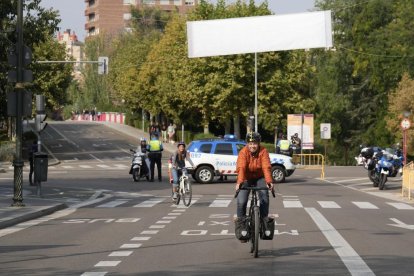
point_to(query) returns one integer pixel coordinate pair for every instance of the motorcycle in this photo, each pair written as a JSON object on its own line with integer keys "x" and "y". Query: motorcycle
{"x": 138, "y": 167}
{"x": 368, "y": 158}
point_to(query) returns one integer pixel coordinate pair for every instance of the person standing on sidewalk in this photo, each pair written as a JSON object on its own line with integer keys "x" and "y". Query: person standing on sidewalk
{"x": 164, "y": 132}
{"x": 155, "y": 149}
{"x": 32, "y": 150}
{"x": 171, "y": 132}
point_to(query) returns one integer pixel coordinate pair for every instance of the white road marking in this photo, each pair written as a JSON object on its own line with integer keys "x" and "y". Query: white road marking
{"x": 354, "y": 263}
{"x": 174, "y": 214}
{"x": 131, "y": 245}
{"x": 163, "y": 221}
{"x": 85, "y": 166}
{"x": 350, "y": 180}
{"x": 156, "y": 227}
{"x": 231, "y": 196}
{"x": 292, "y": 204}
{"x": 149, "y": 232}
{"x": 120, "y": 254}
{"x": 140, "y": 238}
{"x": 401, "y": 206}
{"x": 194, "y": 200}
{"x": 103, "y": 166}
{"x": 150, "y": 203}
{"x": 67, "y": 167}
{"x": 94, "y": 157}
{"x": 113, "y": 203}
{"x": 220, "y": 203}
{"x": 360, "y": 184}
{"x": 364, "y": 205}
{"x": 121, "y": 166}
{"x": 94, "y": 274}
{"x": 178, "y": 210}
{"x": 169, "y": 217}
{"x": 328, "y": 204}
{"x": 107, "y": 263}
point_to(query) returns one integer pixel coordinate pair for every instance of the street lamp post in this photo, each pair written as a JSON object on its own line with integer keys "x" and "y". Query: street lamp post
{"x": 405, "y": 125}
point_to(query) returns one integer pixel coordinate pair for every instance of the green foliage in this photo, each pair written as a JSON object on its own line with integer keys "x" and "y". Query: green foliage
{"x": 199, "y": 136}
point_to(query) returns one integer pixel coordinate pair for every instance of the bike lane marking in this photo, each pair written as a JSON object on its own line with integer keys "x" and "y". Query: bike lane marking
{"x": 353, "y": 262}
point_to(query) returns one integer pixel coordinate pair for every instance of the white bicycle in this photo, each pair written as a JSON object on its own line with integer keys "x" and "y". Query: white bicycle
{"x": 184, "y": 189}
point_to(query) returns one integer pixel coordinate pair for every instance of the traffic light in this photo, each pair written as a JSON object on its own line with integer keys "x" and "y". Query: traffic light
{"x": 40, "y": 122}
{"x": 103, "y": 65}
{"x": 40, "y": 113}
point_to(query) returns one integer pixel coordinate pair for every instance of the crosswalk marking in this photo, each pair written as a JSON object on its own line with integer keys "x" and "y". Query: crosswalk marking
{"x": 150, "y": 203}
{"x": 103, "y": 166}
{"x": 121, "y": 166}
{"x": 131, "y": 245}
{"x": 364, "y": 205}
{"x": 120, "y": 254}
{"x": 108, "y": 263}
{"x": 140, "y": 238}
{"x": 292, "y": 204}
{"x": 329, "y": 204}
{"x": 350, "y": 180}
{"x": 401, "y": 206}
{"x": 94, "y": 274}
{"x": 113, "y": 203}
{"x": 220, "y": 203}
{"x": 194, "y": 200}
{"x": 85, "y": 166}
{"x": 67, "y": 167}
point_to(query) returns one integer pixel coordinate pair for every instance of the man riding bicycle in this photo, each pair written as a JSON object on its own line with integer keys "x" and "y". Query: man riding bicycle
{"x": 178, "y": 165}
{"x": 254, "y": 169}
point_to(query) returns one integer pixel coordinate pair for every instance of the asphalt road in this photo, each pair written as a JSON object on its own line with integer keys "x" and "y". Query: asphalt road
{"x": 337, "y": 226}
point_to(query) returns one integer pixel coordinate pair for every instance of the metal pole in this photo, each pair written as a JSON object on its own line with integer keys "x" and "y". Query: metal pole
{"x": 182, "y": 132}
{"x": 255, "y": 93}
{"x": 301, "y": 137}
{"x": 18, "y": 162}
{"x": 405, "y": 146}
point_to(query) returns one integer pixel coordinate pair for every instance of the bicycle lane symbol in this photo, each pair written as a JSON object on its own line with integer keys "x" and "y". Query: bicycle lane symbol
{"x": 223, "y": 225}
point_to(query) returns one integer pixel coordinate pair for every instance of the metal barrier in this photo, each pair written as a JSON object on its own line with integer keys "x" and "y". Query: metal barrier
{"x": 408, "y": 180}
{"x": 310, "y": 162}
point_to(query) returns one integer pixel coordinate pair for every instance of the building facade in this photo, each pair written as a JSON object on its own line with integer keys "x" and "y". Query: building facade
{"x": 113, "y": 16}
{"x": 74, "y": 49}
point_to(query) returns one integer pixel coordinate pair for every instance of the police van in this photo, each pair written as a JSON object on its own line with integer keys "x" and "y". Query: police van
{"x": 218, "y": 157}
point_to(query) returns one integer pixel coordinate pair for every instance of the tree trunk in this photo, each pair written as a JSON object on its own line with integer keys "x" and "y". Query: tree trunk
{"x": 236, "y": 120}
{"x": 227, "y": 126}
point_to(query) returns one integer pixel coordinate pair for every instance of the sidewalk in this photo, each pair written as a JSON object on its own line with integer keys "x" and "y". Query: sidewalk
{"x": 36, "y": 207}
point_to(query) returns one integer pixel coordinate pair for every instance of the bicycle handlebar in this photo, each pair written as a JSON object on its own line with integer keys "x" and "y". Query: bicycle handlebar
{"x": 254, "y": 188}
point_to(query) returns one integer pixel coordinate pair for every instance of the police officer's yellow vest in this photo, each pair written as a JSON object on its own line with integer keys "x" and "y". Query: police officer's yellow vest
{"x": 284, "y": 144}
{"x": 154, "y": 145}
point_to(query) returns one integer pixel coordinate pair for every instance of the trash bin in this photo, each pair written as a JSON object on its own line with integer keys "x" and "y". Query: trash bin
{"x": 40, "y": 166}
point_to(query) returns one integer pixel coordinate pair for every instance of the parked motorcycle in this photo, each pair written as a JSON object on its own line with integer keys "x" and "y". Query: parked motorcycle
{"x": 138, "y": 167}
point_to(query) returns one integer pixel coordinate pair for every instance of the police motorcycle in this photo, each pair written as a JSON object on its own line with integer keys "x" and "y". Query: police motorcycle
{"x": 368, "y": 159}
{"x": 138, "y": 167}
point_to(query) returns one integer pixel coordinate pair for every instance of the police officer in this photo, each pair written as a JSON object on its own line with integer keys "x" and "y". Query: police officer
{"x": 284, "y": 146}
{"x": 155, "y": 149}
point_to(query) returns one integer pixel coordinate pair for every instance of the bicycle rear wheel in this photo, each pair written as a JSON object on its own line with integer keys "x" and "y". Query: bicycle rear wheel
{"x": 187, "y": 193}
{"x": 256, "y": 234}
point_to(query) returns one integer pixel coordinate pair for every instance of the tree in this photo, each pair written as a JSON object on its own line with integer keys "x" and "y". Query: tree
{"x": 401, "y": 100}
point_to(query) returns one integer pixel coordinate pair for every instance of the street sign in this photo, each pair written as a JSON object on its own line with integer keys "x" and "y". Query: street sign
{"x": 12, "y": 103}
{"x": 325, "y": 131}
{"x": 405, "y": 124}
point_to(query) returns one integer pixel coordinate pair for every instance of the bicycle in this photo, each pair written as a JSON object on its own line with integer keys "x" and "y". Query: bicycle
{"x": 184, "y": 189}
{"x": 256, "y": 227}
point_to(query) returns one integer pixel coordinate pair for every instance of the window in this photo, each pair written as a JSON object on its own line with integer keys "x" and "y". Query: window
{"x": 177, "y": 2}
{"x": 129, "y": 2}
{"x": 91, "y": 17}
{"x": 148, "y": 2}
{"x": 206, "y": 148}
{"x": 91, "y": 3}
{"x": 239, "y": 147}
{"x": 189, "y": 3}
{"x": 222, "y": 148}
{"x": 127, "y": 16}
{"x": 164, "y": 2}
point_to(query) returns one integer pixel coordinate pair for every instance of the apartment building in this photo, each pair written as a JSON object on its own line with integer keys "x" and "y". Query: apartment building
{"x": 112, "y": 16}
{"x": 74, "y": 49}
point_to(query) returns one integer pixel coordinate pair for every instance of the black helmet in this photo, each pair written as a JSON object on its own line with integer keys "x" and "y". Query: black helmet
{"x": 253, "y": 137}
{"x": 181, "y": 143}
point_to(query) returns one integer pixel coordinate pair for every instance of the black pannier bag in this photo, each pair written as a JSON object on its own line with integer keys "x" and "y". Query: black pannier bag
{"x": 268, "y": 228}
{"x": 367, "y": 153}
{"x": 242, "y": 229}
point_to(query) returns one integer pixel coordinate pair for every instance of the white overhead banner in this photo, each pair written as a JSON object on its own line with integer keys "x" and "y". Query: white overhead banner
{"x": 259, "y": 34}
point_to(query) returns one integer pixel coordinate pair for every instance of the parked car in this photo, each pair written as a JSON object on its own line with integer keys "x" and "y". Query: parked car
{"x": 218, "y": 156}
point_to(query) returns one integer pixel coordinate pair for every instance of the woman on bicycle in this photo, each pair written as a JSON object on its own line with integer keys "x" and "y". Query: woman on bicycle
{"x": 254, "y": 169}
{"x": 178, "y": 165}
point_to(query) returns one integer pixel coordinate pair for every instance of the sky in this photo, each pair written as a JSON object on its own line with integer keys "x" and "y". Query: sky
{"x": 72, "y": 12}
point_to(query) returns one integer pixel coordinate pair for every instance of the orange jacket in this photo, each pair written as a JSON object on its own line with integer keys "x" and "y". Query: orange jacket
{"x": 252, "y": 167}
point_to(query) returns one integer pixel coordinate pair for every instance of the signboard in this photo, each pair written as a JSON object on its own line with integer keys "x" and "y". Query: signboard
{"x": 258, "y": 34}
{"x": 325, "y": 131}
{"x": 295, "y": 125}
{"x": 405, "y": 124}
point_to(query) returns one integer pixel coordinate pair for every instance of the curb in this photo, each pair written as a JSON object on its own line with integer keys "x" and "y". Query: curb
{"x": 16, "y": 219}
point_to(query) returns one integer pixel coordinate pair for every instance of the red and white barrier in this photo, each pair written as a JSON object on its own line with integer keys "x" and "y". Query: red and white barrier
{"x": 113, "y": 117}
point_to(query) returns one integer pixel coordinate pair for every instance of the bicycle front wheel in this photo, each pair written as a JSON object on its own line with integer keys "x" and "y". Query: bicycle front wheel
{"x": 187, "y": 193}
{"x": 255, "y": 237}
